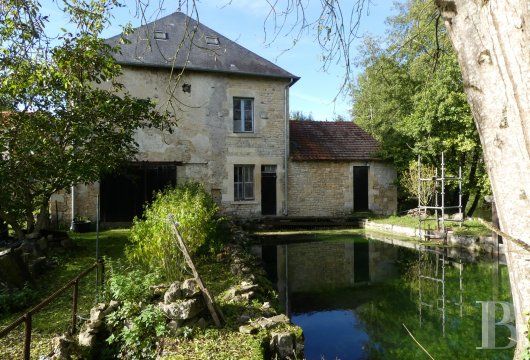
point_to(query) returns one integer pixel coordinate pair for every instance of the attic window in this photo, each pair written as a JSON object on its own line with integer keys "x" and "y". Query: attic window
{"x": 212, "y": 40}
{"x": 161, "y": 35}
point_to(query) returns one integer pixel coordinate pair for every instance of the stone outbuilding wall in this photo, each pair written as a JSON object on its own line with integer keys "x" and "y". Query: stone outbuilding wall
{"x": 325, "y": 188}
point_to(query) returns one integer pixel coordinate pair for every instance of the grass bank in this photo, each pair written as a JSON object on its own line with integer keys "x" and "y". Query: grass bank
{"x": 469, "y": 227}
{"x": 209, "y": 343}
{"x": 56, "y": 317}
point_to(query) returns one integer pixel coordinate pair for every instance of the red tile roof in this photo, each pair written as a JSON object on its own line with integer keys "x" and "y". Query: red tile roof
{"x": 335, "y": 141}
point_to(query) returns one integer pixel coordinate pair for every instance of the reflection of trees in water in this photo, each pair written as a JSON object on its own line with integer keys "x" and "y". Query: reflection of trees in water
{"x": 397, "y": 303}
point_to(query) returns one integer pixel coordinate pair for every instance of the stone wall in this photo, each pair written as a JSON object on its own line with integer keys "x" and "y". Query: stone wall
{"x": 325, "y": 188}
{"x": 203, "y": 141}
{"x": 85, "y": 204}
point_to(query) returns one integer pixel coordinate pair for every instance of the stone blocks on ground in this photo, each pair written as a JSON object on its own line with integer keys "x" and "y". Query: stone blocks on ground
{"x": 182, "y": 309}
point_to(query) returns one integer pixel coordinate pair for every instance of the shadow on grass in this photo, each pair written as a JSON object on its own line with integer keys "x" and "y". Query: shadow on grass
{"x": 63, "y": 268}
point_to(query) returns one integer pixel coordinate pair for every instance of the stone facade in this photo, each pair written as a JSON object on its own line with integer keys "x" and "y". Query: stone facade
{"x": 325, "y": 188}
{"x": 204, "y": 143}
{"x": 207, "y": 146}
{"x": 204, "y": 140}
{"x": 206, "y": 149}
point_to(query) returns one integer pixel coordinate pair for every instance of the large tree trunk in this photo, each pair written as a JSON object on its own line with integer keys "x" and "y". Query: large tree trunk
{"x": 491, "y": 38}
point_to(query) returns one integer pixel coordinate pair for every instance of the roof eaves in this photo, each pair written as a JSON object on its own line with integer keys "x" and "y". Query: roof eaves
{"x": 200, "y": 69}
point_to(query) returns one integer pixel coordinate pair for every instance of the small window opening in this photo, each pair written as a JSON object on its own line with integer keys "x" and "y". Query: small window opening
{"x": 161, "y": 35}
{"x": 212, "y": 40}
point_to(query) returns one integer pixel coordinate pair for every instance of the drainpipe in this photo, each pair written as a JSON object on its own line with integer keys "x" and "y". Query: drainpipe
{"x": 73, "y": 207}
{"x": 286, "y": 152}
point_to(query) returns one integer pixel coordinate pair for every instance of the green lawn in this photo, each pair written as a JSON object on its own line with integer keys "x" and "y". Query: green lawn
{"x": 56, "y": 317}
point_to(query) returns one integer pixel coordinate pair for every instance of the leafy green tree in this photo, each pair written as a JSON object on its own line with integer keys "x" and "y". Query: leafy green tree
{"x": 410, "y": 97}
{"x": 69, "y": 119}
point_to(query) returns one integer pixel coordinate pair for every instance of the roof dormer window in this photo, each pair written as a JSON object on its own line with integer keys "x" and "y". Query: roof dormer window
{"x": 161, "y": 35}
{"x": 212, "y": 40}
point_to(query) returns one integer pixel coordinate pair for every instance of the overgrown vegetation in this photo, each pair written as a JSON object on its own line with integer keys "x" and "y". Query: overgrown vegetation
{"x": 425, "y": 190}
{"x": 15, "y": 300}
{"x": 153, "y": 243}
{"x": 145, "y": 322}
{"x": 130, "y": 285}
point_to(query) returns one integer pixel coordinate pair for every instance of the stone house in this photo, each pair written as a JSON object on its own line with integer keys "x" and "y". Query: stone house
{"x": 232, "y": 108}
{"x": 334, "y": 170}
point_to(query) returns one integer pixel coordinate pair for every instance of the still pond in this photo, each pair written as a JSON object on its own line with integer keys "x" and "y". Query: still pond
{"x": 355, "y": 296}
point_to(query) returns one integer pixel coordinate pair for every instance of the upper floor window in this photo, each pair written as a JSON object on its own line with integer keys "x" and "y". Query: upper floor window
{"x": 243, "y": 115}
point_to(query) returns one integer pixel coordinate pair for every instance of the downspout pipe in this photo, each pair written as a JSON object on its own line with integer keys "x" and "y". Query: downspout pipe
{"x": 286, "y": 152}
{"x": 73, "y": 207}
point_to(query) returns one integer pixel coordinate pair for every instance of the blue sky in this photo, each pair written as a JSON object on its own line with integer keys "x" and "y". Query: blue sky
{"x": 243, "y": 22}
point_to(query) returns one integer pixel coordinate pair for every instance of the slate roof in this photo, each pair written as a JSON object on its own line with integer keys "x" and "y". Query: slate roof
{"x": 330, "y": 141}
{"x": 203, "y": 49}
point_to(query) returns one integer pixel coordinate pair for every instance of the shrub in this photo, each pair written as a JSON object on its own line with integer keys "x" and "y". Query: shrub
{"x": 153, "y": 242}
{"x": 15, "y": 300}
{"x": 409, "y": 182}
{"x": 134, "y": 285}
{"x": 137, "y": 324}
{"x": 138, "y": 339}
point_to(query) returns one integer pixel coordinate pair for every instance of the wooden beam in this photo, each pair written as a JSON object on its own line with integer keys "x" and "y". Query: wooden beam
{"x": 504, "y": 235}
{"x": 216, "y": 313}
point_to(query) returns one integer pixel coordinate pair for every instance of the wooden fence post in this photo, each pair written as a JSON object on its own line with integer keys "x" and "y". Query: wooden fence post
{"x": 27, "y": 337}
{"x": 74, "y": 307}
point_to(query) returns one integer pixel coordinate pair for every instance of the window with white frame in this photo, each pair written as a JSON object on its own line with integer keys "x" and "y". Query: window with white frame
{"x": 243, "y": 182}
{"x": 243, "y": 115}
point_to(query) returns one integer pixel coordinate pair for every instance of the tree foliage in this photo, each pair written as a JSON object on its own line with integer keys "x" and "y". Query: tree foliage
{"x": 300, "y": 115}
{"x": 410, "y": 97}
{"x": 425, "y": 190}
{"x": 61, "y": 127}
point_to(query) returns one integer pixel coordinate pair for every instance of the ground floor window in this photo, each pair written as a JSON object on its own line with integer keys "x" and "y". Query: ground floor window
{"x": 243, "y": 182}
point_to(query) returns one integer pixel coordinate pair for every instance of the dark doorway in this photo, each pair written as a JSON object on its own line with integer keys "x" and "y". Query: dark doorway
{"x": 124, "y": 193}
{"x": 268, "y": 189}
{"x": 360, "y": 188}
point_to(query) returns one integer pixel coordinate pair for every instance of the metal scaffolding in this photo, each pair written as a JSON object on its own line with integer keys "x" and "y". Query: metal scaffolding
{"x": 437, "y": 278}
{"x": 439, "y": 206}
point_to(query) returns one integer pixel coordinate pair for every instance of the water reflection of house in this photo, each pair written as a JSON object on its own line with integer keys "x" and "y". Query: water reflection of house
{"x": 325, "y": 265}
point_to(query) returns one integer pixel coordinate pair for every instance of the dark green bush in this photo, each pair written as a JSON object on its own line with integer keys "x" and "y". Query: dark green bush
{"x": 15, "y": 300}
{"x": 153, "y": 243}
